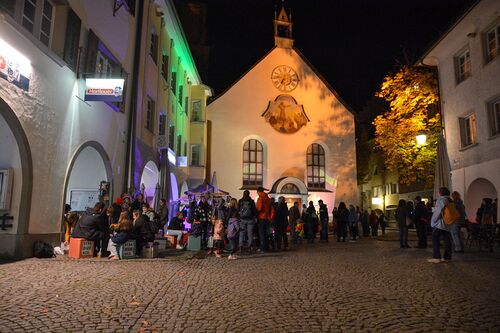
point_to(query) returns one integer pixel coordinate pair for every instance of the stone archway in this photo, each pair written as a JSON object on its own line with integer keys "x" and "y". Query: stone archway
{"x": 15, "y": 135}
{"x": 150, "y": 180}
{"x": 89, "y": 166}
{"x": 478, "y": 189}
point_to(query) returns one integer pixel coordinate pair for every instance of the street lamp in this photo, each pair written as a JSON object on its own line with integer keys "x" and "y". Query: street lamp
{"x": 421, "y": 138}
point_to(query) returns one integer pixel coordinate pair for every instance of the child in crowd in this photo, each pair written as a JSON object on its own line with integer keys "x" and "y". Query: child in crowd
{"x": 233, "y": 233}
{"x": 121, "y": 234}
{"x": 299, "y": 229}
{"x": 218, "y": 236}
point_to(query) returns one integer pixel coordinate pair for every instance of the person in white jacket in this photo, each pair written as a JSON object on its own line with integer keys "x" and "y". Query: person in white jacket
{"x": 440, "y": 229}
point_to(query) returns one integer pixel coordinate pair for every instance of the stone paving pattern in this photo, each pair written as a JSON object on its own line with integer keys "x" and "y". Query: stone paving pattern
{"x": 337, "y": 287}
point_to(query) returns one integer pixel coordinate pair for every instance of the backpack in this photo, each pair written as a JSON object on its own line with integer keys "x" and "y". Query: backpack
{"x": 246, "y": 209}
{"x": 233, "y": 229}
{"x": 43, "y": 250}
{"x": 450, "y": 212}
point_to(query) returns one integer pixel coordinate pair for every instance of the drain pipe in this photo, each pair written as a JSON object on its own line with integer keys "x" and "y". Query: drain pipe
{"x": 130, "y": 151}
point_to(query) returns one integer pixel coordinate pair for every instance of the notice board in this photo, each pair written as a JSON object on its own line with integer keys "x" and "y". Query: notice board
{"x": 83, "y": 199}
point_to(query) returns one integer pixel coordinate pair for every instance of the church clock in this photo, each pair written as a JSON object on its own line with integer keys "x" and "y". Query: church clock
{"x": 284, "y": 78}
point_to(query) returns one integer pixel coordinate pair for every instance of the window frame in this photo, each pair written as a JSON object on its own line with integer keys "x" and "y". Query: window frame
{"x": 251, "y": 163}
{"x": 196, "y": 112}
{"x": 154, "y": 40}
{"x": 493, "y": 109}
{"x": 191, "y": 153}
{"x": 150, "y": 114}
{"x": 171, "y": 137}
{"x": 162, "y": 124}
{"x": 463, "y": 70}
{"x": 491, "y": 55}
{"x": 315, "y": 180}
{"x": 468, "y": 130}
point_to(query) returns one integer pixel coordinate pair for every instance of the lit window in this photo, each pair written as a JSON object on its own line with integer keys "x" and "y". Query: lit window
{"x": 150, "y": 114}
{"x": 493, "y": 43}
{"x": 315, "y": 166}
{"x": 463, "y": 66}
{"x": 494, "y": 116}
{"x": 468, "y": 130}
{"x": 253, "y": 163}
{"x": 196, "y": 110}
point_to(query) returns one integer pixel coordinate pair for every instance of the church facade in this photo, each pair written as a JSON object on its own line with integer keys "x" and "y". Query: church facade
{"x": 282, "y": 126}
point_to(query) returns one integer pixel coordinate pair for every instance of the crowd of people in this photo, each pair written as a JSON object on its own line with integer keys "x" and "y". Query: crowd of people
{"x": 247, "y": 226}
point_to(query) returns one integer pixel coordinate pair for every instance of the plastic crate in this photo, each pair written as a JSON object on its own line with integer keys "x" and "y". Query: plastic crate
{"x": 127, "y": 250}
{"x": 80, "y": 248}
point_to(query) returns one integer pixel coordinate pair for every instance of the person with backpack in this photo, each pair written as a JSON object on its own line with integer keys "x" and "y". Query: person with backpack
{"x": 440, "y": 229}
{"x": 264, "y": 214}
{"x": 247, "y": 212}
{"x": 233, "y": 231}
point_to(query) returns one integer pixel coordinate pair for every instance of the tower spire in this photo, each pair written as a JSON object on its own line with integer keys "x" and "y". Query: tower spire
{"x": 283, "y": 28}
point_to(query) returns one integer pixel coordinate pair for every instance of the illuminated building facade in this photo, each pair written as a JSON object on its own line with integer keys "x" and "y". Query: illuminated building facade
{"x": 283, "y": 127}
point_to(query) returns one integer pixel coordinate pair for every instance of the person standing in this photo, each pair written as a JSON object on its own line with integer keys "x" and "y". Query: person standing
{"x": 420, "y": 218}
{"x": 281, "y": 223}
{"x": 247, "y": 211}
{"x": 305, "y": 221}
{"x": 401, "y": 215}
{"x": 342, "y": 218}
{"x": 294, "y": 215}
{"x": 353, "y": 223}
{"x": 312, "y": 221}
{"x": 382, "y": 222}
{"x": 233, "y": 231}
{"x": 264, "y": 209}
{"x": 456, "y": 234}
{"x": 440, "y": 230}
{"x": 374, "y": 224}
{"x": 323, "y": 217}
{"x": 365, "y": 223}
{"x": 203, "y": 214}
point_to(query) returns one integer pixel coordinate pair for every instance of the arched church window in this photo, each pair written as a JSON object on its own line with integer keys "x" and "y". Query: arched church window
{"x": 253, "y": 163}
{"x": 290, "y": 188}
{"x": 315, "y": 166}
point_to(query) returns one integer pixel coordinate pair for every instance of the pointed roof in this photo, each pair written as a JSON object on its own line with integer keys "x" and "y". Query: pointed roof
{"x": 314, "y": 70}
{"x": 283, "y": 16}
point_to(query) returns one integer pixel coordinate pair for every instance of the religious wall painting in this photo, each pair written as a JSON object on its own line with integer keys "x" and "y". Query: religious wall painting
{"x": 285, "y": 115}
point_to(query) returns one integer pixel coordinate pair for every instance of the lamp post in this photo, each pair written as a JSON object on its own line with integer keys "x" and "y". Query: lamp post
{"x": 421, "y": 138}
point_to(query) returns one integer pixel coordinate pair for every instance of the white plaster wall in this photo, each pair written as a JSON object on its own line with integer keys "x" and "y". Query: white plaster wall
{"x": 10, "y": 158}
{"x": 56, "y": 122}
{"x": 471, "y": 95}
{"x": 87, "y": 172}
{"x": 236, "y": 117}
{"x": 464, "y": 177}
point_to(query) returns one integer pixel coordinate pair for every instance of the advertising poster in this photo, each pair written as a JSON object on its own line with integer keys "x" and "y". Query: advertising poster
{"x": 14, "y": 67}
{"x": 104, "y": 90}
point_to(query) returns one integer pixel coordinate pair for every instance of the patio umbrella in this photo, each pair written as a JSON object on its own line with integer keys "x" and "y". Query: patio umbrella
{"x": 442, "y": 172}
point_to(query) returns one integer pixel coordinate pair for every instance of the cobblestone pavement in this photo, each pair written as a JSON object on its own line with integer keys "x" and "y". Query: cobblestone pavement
{"x": 351, "y": 287}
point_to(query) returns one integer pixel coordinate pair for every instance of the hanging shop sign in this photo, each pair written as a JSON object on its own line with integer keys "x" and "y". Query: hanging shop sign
{"x": 104, "y": 90}
{"x": 14, "y": 67}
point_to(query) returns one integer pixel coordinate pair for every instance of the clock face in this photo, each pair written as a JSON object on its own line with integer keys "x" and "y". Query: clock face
{"x": 284, "y": 78}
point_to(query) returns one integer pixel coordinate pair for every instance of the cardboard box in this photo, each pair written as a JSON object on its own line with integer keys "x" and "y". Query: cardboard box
{"x": 127, "y": 250}
{"x": 171, "y": 241}
{"x": 80, "y": 248}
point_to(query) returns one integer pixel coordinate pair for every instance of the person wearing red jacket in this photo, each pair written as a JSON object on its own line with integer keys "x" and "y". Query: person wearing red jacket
{"x": 264, "y": 213}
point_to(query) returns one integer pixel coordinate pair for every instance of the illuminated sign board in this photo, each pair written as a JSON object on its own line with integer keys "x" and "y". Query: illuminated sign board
{"x": 14, "y": 67}
{"x": 104, "y": 90}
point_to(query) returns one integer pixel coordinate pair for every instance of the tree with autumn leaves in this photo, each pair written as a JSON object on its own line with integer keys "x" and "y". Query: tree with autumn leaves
{"x": 413, "y": 95}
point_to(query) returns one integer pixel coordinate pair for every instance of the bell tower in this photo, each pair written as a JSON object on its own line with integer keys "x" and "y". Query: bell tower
{"x": 283, "y": 29}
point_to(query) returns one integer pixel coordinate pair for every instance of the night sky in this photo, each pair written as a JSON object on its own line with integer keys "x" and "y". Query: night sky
{"x": 352, "y": 43}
